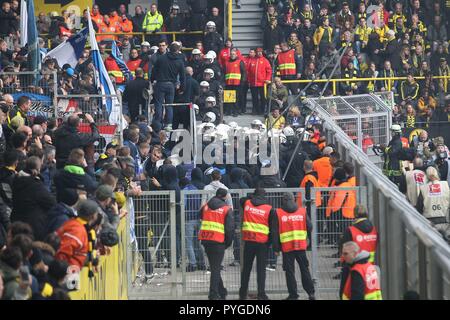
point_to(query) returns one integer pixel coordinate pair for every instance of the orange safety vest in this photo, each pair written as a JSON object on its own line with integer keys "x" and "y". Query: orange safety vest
{"x": 324, "y": 170}
{"x": 366, "y": 241}
{"x": 126, "y": 26}
{"x": 114, "y": 70}
{"x": 342, "y": 199}
{"x": 133, "y": 65}
{"x": 352, "y": 181}
{"x": 233, "y": 73}
{"x": 286, "y": 63}
{"x": 255, "y": 225}
{"x": 103, "y": 28}
{"x": 98, "y": 19}
{"x": 115, "y": 21}
{"x": 213, "y": 224}
{"x": 292, "y": 229}
{"x": 369, "y": 273}
{"x": 315, "y": 182}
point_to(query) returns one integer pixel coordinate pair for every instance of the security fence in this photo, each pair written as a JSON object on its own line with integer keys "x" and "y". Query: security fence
{"x": 412, "y": 254}
{"x": 40, "y": 87}
{"x": 166, "y": 230}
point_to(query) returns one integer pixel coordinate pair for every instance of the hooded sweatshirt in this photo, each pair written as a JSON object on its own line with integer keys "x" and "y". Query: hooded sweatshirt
{"x": 358, "y": 284}
{"x": 169, "y": 68}
{"x": 197, "y": 178}
{"x": 237, "y": 179}
{"x": 289, "y": 206}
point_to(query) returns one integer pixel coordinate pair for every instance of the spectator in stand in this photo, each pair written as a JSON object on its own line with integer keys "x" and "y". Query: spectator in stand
{"x": 267, "y": 17}
{"x": 43, "y": 23}
{"x": 409, "y": 90}
{"x": 123, "y": 11}
{"x": 138, "y": 19}
{"x": 323, "y": 36}
{"x": 212, "y": 40}
{"x": 217, "y": 19}
{"x": 31, "y": 200}
{"x": 7, "y": 20}
{"x": 278, "y": 94}
{"x": 259, "y": 74}
{"x": 67, "y": 137}
{"x": 272, "y": 35}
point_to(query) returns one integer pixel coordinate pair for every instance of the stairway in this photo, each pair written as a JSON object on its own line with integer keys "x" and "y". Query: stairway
{"x": 247, "y": 32}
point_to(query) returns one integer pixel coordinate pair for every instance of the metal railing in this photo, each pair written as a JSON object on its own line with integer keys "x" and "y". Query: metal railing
{"x": 142, "y": 35}
{"x": 335, "y": 82}
{"x": 412, "y": 254}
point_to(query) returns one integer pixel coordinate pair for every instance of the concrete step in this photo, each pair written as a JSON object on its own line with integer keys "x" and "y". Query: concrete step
{"x": 246, "y": 36}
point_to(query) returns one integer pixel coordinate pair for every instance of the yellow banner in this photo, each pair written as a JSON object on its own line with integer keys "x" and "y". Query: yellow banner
{"x": 229, "y": 96}
{"x": 73, "y": 6}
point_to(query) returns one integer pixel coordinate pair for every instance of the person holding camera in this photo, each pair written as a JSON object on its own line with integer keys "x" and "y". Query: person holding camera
{"x": 67, "y": 137}
{"x": 441, "y": 159}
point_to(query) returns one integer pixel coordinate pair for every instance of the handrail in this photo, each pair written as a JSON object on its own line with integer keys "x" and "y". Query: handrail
{"x": 230, "y": 19}
{"x": 417, "y": 224}
{"x": 339, "y": 80}
{"x": 141, "y": 34}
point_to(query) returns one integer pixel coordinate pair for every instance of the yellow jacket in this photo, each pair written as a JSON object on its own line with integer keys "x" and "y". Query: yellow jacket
{"x": 152, "y": 22}
{"x": 382, "y": 33}
{"x": 363, "y": 33}
{"x": 423, "y": 106}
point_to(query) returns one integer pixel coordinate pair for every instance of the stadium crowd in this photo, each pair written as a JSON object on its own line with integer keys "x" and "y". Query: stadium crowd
{"x": 61, "y": 199}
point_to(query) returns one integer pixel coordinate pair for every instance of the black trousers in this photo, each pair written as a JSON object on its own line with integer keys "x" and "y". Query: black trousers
{"x": 243, "y": 101}
{"x": 258, "y": 100}
{"x": 142, "y": 228}
{"x": 215, "y": 254}
{"x": 252, "y": 250}
{"x": 289, "y": 259}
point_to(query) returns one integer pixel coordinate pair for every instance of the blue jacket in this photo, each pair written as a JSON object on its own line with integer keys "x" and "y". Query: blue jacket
{"x": 192, "y": 204}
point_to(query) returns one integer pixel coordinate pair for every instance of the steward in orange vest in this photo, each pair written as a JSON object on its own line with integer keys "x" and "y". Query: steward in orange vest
{"x": 340, "y": 206}
{"x": 235, "y": 77}
{"x": 323, "y": 168}
{"x": 257, "y": 218}
{"x": 290, "y": 233}
{"x": 360, "y": 279}
{"x": 114, "y": 70}
{"x": 289, "y": 66}
{"x": 311, "y": 180}
{"x": 216, "y": 233}
{"x": 363, "y": 232}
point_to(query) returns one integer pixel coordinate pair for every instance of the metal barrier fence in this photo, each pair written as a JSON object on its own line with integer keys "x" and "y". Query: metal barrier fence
{"x": 412, "y": 254}
{"x": 40, "y": 87}
{"x": 166, "y": 230}
{"x": 336, "y": 82}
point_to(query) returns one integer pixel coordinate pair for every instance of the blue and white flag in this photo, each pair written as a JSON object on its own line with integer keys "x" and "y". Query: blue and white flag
{"x": 117, "y": 55}
{"x": 103, "y": 82}
{"x": 29, "y": 34}
{"x": 70, "y": 50}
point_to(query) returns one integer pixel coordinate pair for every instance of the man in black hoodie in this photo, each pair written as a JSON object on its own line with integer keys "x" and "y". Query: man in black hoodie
{"x": 216, "y": 234}
{"x": 167, "y": 71}
{"x": 291, "y": 218}
{"x": 258, "y": 217}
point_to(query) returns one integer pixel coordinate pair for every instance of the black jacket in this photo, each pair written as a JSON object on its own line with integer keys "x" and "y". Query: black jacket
{"x": 358, "y": 283}
{"x": 271, "y": 37}
{"x": 237, "y": 179}
{"x": 69, "y": 179}
{"x": 197, "y": 6}
{"x": 6, "y": 180}
{"x": 133, "y": 93}
{"x": 213, "y": 41}
{"x": 296, "y": 172}
{"x": 168, "y": 68}
{"x": 31, "y": 203}
{"x": 67, "y": 138}
{"x": 271, "y": 182}
{"x": 6, "y": 22}
{"x": 138, "y": 21}
{"x": 214, "y": 204}
{"x": 197, "y": 178}
{"x": 289, "y": 207}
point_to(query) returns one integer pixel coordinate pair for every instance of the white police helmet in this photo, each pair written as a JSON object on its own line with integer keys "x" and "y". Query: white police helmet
{"x": 210, "y": 72}
{"x": 204, "y": 84}
{"x": 210, "y": 24}
{"x": 212, "y": 100}
{"x": 196, "y": 51}
{"x": 396, "y": 128}
{"x": 288, "y": 132}
{"x": 209, "y": 117}
{"x": 212, "y": 54}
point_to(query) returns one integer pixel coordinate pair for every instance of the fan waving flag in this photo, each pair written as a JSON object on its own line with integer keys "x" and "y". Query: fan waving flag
{"x": 120, "y": 63}
{"x": 70, "y": 50}
{"x": 103, "y": 82}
